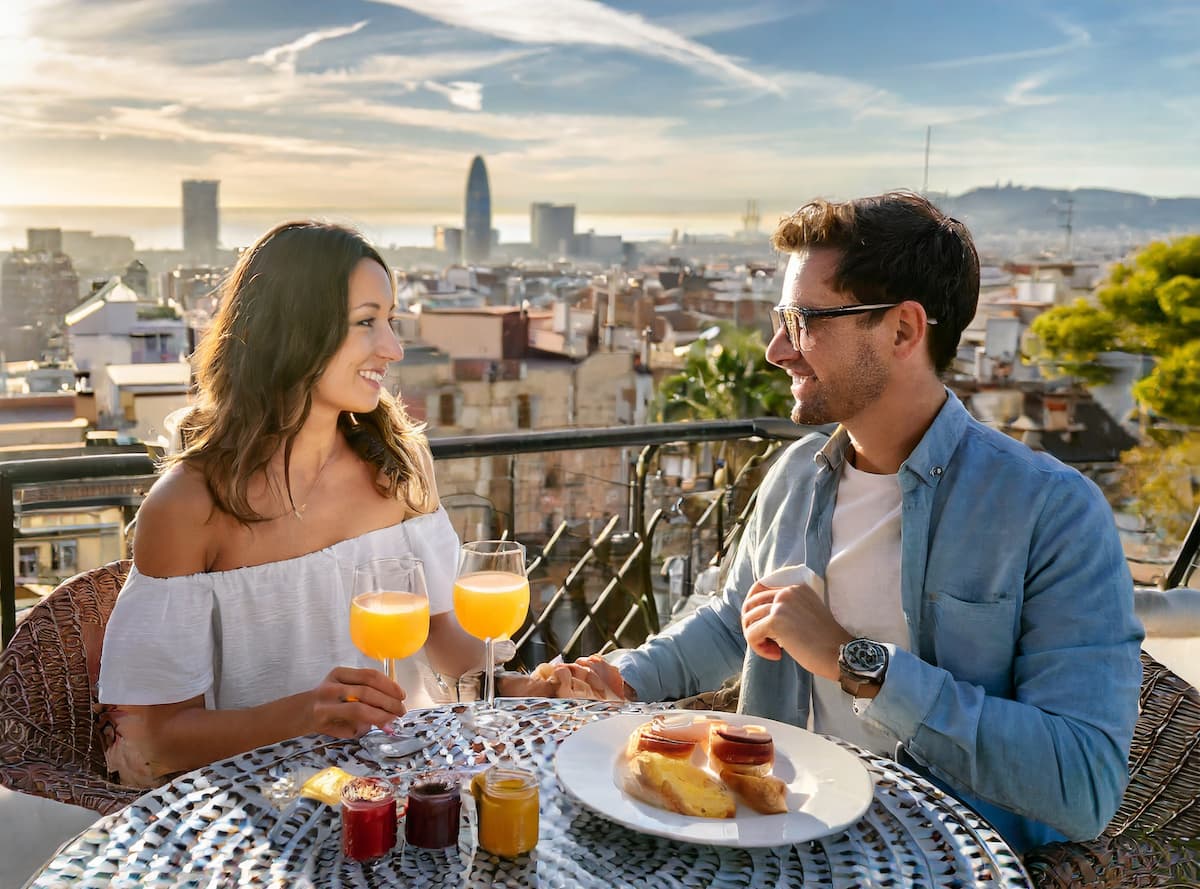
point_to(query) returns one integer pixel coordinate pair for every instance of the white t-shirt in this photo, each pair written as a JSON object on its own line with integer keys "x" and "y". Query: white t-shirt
{"x": 862, "y": 586}
{"x": 251, "y": 635}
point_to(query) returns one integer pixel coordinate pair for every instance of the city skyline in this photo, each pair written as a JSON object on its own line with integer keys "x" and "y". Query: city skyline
{"x": 661, "y": 108}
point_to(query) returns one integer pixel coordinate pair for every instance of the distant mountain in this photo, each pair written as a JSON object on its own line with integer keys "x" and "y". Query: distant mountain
{"x": 1010, "y": 208}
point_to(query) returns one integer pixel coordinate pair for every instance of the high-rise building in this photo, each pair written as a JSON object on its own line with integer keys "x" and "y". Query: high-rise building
{"x": 552, "y": 228}
{"x": 449, "y": 240}
{"x": 477, "y": 230}
{"x": 44, "y": 240}
{"x": 201, "y": 223}
{"x": 37, "y": 287}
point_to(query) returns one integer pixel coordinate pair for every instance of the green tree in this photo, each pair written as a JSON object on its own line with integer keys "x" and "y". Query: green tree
{"x": 1163, "y": 484}
{"x": 726, "y": 379}
{"x": 1067, "y": 339}
{"x": 1150, "y": 305}
{"x": 1172, "y": 389}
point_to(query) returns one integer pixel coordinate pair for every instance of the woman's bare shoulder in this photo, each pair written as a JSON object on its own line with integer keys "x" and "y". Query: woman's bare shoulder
{"x": 177, "y": 525}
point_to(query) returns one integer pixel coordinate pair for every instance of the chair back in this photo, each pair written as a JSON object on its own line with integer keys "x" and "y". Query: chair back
{"x": 52, "y": 734}
{"x": 1163, "y": 796}
{"x": 1154, "y": 838}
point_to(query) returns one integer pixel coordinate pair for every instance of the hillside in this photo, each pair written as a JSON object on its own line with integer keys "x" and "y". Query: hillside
{"x": 1011, "y": 208}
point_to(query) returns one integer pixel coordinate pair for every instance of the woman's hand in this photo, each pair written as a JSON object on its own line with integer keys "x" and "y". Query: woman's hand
{"x": 349, "y": 701}
{"x": 589, "y": 678}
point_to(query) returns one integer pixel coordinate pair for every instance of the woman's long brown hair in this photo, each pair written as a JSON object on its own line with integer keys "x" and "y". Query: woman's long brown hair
{"x": 284, "y": 313}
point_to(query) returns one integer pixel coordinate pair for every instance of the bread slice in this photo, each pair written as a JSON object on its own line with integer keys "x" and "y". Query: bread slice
{"x": 765, "y": 794}
{"x": 681, "y": 787}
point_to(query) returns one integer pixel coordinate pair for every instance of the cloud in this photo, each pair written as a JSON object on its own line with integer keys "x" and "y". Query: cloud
{"x": 167, "y": 123}
{"x": 864, "y": 101}
{"x": 87, "y": 20}
{"x": 283, "y": 58}
{"x": 1187, "y": 60}
{"x": 461, "y": 93}
{"x": 742, "y": 15}
{"x": 409, "y": 68}
{"x": 1077, "y": 38}
{"x": 587, "y": 23}
{"x": 1022, "y": 93}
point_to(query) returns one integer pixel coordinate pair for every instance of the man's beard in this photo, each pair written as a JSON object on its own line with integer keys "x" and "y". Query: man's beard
{"x": 851, "y": 390}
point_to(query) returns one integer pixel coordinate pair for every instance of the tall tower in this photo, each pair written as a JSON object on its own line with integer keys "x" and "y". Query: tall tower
{"x": 477, "y": 230}
{"x": 200, "y": 220}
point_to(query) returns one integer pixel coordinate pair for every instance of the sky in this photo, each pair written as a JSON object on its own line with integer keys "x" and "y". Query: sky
{"x": 659, "y": 106}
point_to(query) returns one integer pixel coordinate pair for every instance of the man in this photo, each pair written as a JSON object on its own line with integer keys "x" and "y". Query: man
{"x": 971, "y": 611}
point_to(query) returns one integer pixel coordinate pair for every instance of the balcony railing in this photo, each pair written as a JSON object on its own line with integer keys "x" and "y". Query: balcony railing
{"x": 597, "y": 594}
{"x": 591, "y": 593}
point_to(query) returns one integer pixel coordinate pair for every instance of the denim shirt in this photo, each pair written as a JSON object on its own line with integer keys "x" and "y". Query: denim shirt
{"x": 1019, "y": 691}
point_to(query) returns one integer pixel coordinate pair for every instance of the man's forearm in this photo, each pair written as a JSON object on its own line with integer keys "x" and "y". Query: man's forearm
{"x": 693, "y": 656}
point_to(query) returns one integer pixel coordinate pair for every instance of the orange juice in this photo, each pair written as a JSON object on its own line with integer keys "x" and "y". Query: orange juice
{"x": 389, "y": 624}
{"x": 491, "y": 604}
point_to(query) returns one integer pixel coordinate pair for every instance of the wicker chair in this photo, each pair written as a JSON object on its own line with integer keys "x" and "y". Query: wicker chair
{"x": 52, "y": 731}
{"x": 1154, "y": 839}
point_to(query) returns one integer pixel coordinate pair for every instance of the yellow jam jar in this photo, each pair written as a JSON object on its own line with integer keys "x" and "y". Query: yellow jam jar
{"x": 507, "y": 800}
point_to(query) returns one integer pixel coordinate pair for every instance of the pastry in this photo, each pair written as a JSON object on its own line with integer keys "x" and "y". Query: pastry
{"x": 649, "y": 739}
{"x": 765, "y": 794}
{"x": 749, "y": 749}
{"x": 679, "y": 786}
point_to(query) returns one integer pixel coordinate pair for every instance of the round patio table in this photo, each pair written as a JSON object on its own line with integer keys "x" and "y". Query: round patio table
{"x": 239, "y": 822}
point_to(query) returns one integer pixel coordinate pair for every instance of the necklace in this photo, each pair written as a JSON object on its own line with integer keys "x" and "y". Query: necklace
{"x": 298, "y": 510}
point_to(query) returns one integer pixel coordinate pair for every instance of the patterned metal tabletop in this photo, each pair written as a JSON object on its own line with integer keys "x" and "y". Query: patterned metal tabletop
{"x": 239, "y": 822}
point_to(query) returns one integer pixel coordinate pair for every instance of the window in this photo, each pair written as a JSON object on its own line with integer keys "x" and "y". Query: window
{"x": 64, "y": 556}
{"x": 27, "y": 563}
{"x": 447, "y": 409}
{"x": 524, "y": 412}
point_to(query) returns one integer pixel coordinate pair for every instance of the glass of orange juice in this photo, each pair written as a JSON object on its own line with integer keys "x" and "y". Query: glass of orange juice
{"x": 491, "y": 599}
{"x": 389, "y": 621}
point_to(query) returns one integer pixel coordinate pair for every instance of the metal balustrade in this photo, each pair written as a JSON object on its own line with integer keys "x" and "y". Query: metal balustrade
{"x": 624, "y": 610}
{"x": 607, "y": 597}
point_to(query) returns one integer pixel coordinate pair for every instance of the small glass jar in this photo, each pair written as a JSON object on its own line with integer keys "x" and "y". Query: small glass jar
{"x": 434, "y": 809}
{"x": 368, "y": 818}
{"x": 507, "y": 799}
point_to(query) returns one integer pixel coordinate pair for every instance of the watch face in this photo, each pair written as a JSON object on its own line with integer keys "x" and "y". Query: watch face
{"x": 864, "y": 656}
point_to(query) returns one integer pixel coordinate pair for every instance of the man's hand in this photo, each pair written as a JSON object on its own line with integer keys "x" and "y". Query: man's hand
{"x": 350, "y": 700}
{"x": 590, "y": 678}
{"x": 795, "y": 620}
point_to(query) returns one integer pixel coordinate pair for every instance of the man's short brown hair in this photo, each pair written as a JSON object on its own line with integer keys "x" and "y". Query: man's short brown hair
{"x": 895, "y": 247}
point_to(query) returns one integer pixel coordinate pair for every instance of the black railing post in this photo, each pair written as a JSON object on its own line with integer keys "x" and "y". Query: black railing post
{"x": 8, "y": 570}
{"x": 1186, "y": 560}
{"x": 645, "y": 576}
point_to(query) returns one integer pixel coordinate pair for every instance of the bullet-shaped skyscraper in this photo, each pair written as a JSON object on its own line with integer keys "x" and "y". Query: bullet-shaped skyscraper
{"x": 477, "y": 228}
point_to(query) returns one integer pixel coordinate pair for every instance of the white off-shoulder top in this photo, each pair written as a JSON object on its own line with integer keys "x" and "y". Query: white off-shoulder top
{"x": 251, "y": 635}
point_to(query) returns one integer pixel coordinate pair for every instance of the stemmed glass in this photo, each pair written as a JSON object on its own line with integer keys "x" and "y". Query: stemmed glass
{"x": 491, "y": 599}
{"x": 389, "y": 621}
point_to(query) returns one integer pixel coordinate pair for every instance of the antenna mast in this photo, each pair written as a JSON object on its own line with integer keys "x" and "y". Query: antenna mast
{"x": 1069, "y": 213}
{"x": 925, "y": 181}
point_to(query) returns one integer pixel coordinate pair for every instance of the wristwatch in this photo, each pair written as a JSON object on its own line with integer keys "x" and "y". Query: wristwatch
{"x": 862, "y": 664}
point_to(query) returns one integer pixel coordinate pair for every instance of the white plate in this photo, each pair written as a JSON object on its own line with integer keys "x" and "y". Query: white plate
{"x": 828, "y": 787}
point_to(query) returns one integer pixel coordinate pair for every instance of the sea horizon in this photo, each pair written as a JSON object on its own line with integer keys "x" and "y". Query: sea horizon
{"x": 161, "y": 228}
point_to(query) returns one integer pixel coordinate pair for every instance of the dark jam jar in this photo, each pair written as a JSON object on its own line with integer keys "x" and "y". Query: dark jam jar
{"x": 434, "y": 807}
{"x": 368, "y": 818}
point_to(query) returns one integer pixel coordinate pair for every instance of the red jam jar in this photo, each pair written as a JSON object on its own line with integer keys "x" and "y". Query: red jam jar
{"x": 368, "y": 818}
{"x": 434, "y": 808}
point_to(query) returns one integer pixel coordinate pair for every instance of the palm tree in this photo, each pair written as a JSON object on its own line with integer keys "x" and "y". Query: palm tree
{"x": 727, "y": 378}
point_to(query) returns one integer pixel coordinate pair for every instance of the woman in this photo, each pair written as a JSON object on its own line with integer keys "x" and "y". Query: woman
{"x": 232, "y": 630}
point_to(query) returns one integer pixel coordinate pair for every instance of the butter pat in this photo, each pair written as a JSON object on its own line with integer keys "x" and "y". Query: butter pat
{"x": 326, "y": 785}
